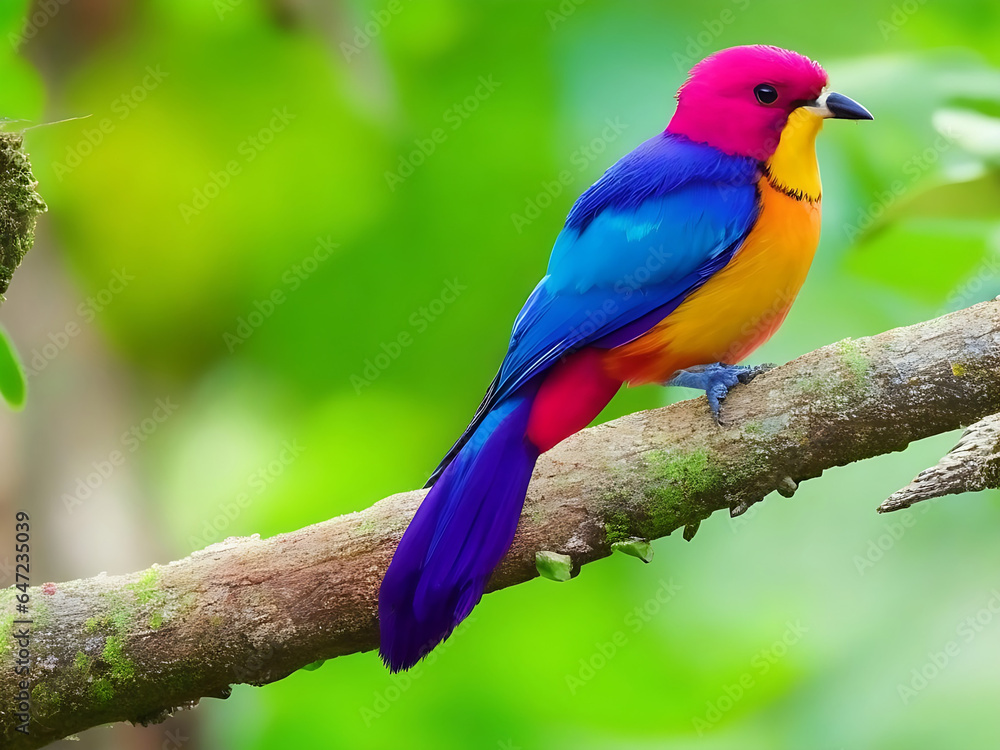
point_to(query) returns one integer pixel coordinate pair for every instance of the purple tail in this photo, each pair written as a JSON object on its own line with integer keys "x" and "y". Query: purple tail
{"x": 458, "y": 536}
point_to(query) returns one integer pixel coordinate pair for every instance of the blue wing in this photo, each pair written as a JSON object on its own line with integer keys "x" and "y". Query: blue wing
{"x": 658, "y": 224}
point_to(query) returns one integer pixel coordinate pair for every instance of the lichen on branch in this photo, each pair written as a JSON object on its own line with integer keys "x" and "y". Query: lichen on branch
{"x": 20, "y": 205}
{"x": 251, "y": 610}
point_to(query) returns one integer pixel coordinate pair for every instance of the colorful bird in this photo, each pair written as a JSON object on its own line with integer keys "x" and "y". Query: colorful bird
{"x": 683, "y": 258}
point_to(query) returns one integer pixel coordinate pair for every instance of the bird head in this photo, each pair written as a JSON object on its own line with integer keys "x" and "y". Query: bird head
{"x": 739, "y": 99}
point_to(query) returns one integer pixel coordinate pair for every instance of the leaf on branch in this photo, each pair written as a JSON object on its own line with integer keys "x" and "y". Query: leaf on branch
{"x": 12, "y": 385}
{"x": 554, "y": 566}
{"x": 635, "y": 547}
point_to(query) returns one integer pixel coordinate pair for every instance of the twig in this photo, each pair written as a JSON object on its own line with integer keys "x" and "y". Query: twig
{"x": 972, "y": 465}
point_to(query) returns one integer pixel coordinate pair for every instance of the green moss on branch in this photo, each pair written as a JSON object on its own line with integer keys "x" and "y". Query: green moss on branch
{"x": 20, "y": 205}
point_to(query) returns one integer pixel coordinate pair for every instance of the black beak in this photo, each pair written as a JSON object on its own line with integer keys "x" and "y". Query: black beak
{"x": 843, "y": 108}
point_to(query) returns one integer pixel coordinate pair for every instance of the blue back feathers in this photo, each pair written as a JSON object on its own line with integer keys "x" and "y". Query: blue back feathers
{"x": 653, "y": 228}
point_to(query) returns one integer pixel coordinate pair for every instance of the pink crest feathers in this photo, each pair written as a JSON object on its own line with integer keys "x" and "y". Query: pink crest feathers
{"x": 727, "y": 101}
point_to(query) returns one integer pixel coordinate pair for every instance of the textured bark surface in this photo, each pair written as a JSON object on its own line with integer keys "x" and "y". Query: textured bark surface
{"x": 20, "y": 204}
{"x": 972, "y": 465}
{"x": 253, "y": 610}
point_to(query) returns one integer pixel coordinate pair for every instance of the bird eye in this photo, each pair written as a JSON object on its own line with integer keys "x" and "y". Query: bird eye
{"x": 765, "y": 93}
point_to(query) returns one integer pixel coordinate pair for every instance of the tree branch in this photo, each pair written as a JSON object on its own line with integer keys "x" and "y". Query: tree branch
{"x": 253, "y": 610}
{"x": 972, "y": 465}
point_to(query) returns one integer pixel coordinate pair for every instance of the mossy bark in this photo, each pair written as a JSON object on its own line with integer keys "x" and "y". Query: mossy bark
{"x": 20, "y": 205}
{"x": 134, "y": 648}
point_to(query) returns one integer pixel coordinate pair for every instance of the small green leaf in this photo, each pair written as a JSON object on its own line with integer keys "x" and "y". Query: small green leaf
{"x": 314, "y": 665}
{"x": 12, "y": 386}
{"x": 636, "y": 547}
{"x": 554, "y": 566}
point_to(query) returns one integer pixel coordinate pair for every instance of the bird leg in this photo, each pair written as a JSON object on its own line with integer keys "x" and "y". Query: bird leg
{"x": 716, "y": 379}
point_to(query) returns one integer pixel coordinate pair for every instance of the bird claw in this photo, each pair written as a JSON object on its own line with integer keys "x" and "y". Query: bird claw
{"x": 748, "y": 373}
{"x": 716, "y": 379}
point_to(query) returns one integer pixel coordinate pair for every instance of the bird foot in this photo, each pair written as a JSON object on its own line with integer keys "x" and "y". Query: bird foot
{"x": 716, "y": 379}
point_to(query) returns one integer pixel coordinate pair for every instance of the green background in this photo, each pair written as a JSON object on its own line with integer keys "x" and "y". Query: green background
{"x": 794, "y": 626}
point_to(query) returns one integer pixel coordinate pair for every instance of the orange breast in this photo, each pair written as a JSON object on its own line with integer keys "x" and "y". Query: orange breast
{"x": 740, "y": 307}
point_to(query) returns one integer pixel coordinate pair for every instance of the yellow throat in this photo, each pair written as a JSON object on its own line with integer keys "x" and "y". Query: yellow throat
{"x": 793, "y": 169}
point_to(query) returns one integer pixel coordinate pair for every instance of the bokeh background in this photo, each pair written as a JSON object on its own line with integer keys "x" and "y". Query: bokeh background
{"x": 357, "y": 160}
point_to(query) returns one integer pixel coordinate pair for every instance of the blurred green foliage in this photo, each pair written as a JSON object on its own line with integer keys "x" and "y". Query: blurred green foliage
{"x": 436, "y": 147}
{"x": 12, "y": 385}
